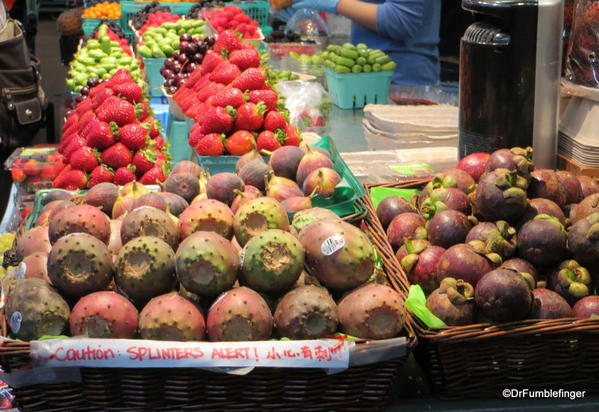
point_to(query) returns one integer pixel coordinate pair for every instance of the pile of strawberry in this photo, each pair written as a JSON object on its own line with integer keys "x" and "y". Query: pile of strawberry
{"x": 233, "y": 18}
{"x": 157, "y": 19}
{"x": 112, "y": 136}
{"x": 234, "y": 107}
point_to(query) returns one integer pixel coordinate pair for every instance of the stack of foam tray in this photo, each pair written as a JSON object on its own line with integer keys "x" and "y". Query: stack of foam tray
{"x": 388, "y": 127}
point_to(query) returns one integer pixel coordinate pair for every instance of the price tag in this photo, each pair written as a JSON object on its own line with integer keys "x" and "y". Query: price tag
{"x": 15, "y": 322}
{"x": 332, "y": 244}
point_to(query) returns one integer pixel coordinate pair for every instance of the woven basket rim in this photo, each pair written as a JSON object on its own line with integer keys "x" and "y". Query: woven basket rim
{"x": 479, "y": 331}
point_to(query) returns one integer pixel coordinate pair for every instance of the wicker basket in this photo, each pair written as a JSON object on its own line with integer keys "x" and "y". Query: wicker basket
{"x": 364, "y": 387}
{"x": 482, "y": 360}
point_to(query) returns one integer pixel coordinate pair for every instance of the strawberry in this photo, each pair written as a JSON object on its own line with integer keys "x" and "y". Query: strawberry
{"x": 72, "y": 147}
{"x": 142, "y": 109}
{"x": 130, "y": 91}
{"x": 117, "y": 156}
{"x": 211, "y": 89}
{"x": 72, "y": 180}
{"x": 84, "y": 159}
{"x": 153, "y": 176}
{"x": 152, "y": 126}
{"x": 84, "y": 107}
{"x": 225, "y": 73}
{"x": 194, "y": 137}
{"x": 31, "y": 167}
{"x": 250, "y": 116}
{"x": 216, "y": 120}
{"x": 228, "y": 41}
{"x": 211, "y": 145}
{"x": 84, "y": 120}
{"x": 158, "y": 142}
{"x": 120, "y": 76}
{"x": 100, "y": 174}
{"x": 274, "y": 120}
{"x": 269, "y": 141}
{"x": 228, "y": 96}
{"x": 245, "y": 58}
{"x": 121, "y": 113}
{"x": 143, "y": 160}
{"x": 107, "y": 103}
{"x": 50, "y": 170}
{"x": 17, "y": 174}
{"x": 133, "y": 136}
{"x": 124, "y": 175}
{"x": 210, "y": 61}
{"x": 240, "y": 142}
{"x": 269, "y": 97}
{"x": 99, "y": 98}
{"x": 250, "y": 79}
{"x": 100, "y": 135}
{"x": 292, "y": 134}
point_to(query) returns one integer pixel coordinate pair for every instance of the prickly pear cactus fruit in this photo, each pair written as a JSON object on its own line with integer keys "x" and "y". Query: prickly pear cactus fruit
{"x": 208, "y": 215}
{"x": 145, "y": 268}
{"x": 149, "y": 221}
{"x": 272, "y": 261}
{"x": 338, "y": 254}
{"x": 206, "y": 264}
{"x": 239, "y": 315}
{"x": 258, "y": 215}
{"x": 32, "y": 241}
{"x": 34, "y": 309}
{"x": 171, "y": 317}
{"x": 372, "y": 311}
{"x": 306, "y": 312}
{"x": 104, "y": 315}
{"x": 80, "y": 219}
{"x": 304, "y": 217}
{"x": 79, "y": 264}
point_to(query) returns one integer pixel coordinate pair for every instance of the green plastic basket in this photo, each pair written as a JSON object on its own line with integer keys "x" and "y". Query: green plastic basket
{"x": 177, "y": 133}
{"x": 258, "y": 10}
{"x": 343, "y": 203}
{"x": 355, "y": 90}
{"x": 130, "y": 7}
{"x": 89, "y": 25}
{"x": 153, "y": 76}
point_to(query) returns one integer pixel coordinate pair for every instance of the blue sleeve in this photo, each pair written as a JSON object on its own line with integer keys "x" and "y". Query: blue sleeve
{"x": 400, "y": 19}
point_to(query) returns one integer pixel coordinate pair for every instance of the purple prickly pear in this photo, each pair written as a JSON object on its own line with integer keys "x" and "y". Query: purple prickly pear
{"x": 372, "y": 311}
{"x": 248, "y": 194}
{"x": 145, "y": 268}
{"x": 34, "y": 309}
{"x": 306, "y": 312}
{"x": 239, "y": 315}
{"x": 171, "y": 317}
{"x": 34, "y": 240}
{"x": 79, "y": 264}
{"x": 37, "y": 266}
{"x": 80, "y": 219}
{"x": 104, "y": 315}
{"x": 258, "y": 215}
{"x": 206, "y": 264}
{"x": 453, "y": 302}
{"x": 149, "y": 221}
{"x": 206, "y": 215}
{"x": 340, "y": 255}
{"x": 272, "y": 261}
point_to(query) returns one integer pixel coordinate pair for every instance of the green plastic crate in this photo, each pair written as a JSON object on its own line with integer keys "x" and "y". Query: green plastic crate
{"x": 89, "y": 25}
{"x": 130, "y": 7}
{"x": 153, "y": 76}
{"x": 355, "y": 90}
{"x": 177, "y": 133}
{"x": 343, "y": 203}
{"x": 258, "y": 10}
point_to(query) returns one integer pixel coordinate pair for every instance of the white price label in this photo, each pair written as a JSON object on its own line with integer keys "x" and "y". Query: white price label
{"x": 15, "y": 322}
{"x": 332, "y": 244}
{"x": 242, "y": 256}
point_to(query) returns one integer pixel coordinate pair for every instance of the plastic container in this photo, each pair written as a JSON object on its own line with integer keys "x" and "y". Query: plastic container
{"x": 356, "y": 90}
{"x": 34, "y": 168}
{"x": 258, "y": 10}
{"x": 177, "y": 132}
{"x": 130, "y": 7}
{"x": 175, "y": 110}
{"x": 153, "y": 76}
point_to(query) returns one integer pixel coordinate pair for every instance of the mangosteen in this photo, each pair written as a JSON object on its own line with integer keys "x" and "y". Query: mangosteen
{"x": 448, "y": 228}
{"x": 587, "y": 307}
{"x": 463, "y": 262}
{"x": 589, "y": 185}
{"x": 521, "y": 266}
{"x": 474, "y": 164}
{"x": 571, "y": 185}
{"x": 542, "y": 241}
{"x": 546, "y": 304}
{"x": 419, "y": 258}
{"x": 406, "y": 226}
{"x": 571, "y": 280}
{"x": 501, "y": 195}
{"x": 541, "y": 206}
{"x": 503, "y": 295}
{"x": 545, "y": 184}
{"x": 588, "y": 206}
{"x": 453, "y": 302}
{"x": 583, "y": 240}
{"x": 392, "y": 206}
{"x": 449, "y": 178}
{"x": 498, "y": 237}
{"x": 516, "y": 159}
{"x": 441, "y": 199}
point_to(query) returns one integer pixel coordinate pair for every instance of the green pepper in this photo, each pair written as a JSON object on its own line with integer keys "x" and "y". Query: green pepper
{"x": 342, "y": 69}
{"x": 390, "y": 66}
{"x": 361, "y": 60}
{"x": 103, "y": 30}
{"x": 363, "y": 53}
{"x": 87, "y": 60}
{"x": 383, "y": 60}
{"x": 376, "y": 67}
{"x": 344, "y": 61}
{"x": 105, "y": 44}
{"x": 167, "y": 50}
{"x": 330, "y": 64}
{"x": 125, "y": 61}
{"x": 361, "y": 46}
{"x": 157, "y": 53}
{"x": 348, "y": 46}
{"x": 92, "y": 44}
{"x": 349, "y": 53}
{"x": 357, "y": 68}
{"x": 96, "y": 54}
{"x": 81, "y": 78}
{"x": 367, "y": 68}
{"x": 101, "y": 71}
{"x": 108, "y": 61}
{"x": 372, "y": 59}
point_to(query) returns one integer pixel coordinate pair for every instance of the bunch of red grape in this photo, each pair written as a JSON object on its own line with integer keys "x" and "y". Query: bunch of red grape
{"x": 182, "y": 63}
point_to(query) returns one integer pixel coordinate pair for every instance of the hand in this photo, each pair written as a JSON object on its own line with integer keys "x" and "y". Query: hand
{"x": 329, "y": 6}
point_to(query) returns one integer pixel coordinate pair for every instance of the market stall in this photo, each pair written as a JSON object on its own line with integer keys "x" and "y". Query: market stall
{"x": 238, "y": 217}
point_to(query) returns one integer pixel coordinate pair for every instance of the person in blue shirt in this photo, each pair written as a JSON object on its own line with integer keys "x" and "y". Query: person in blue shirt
{"x": 407, "y": 30}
